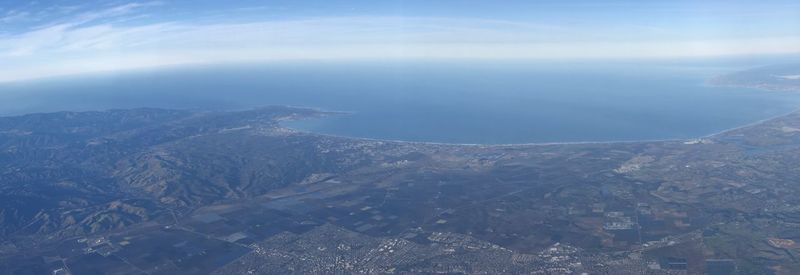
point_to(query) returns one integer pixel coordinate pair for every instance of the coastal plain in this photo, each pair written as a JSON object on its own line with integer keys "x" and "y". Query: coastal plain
{"x": 157, "y": 191}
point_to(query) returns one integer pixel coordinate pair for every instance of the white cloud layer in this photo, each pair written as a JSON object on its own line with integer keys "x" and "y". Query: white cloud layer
{"x": 88, "y": 44}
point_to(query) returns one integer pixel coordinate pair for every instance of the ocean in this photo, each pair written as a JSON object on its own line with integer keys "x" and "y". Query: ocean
{"x": 484, "y": 102}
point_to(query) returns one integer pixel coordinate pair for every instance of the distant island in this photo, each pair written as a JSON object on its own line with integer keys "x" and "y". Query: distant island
{"x": 785, "y": 78}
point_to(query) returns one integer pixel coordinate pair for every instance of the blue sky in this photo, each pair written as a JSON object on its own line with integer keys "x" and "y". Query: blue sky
{"x": 48, "y": 38}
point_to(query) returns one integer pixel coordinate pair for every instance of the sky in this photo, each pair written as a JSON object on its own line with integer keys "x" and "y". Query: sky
{"x": 41, "y": 39}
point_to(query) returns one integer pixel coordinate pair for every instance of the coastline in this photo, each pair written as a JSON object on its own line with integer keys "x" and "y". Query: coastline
{"x": 708, "y": 82}
{"x": 532, "y": 144}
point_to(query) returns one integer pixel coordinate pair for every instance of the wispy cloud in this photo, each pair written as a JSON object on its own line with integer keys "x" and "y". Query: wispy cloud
{"x": 14, "y": 15}
{"x": 112, "y": 12}
{"x": 95, "y": 40}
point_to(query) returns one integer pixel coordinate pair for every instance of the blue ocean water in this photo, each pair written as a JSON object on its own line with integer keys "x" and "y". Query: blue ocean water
{"x": 452, "y": 102}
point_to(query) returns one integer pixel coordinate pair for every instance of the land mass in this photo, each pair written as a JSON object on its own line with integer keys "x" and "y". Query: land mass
{"x": 784, "y": 78}
{"x": 153, "y": 191}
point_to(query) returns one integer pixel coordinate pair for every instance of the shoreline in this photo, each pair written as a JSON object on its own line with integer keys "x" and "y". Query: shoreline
{"x": 323, "y": 113}
{"x": 533, "y": 144}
